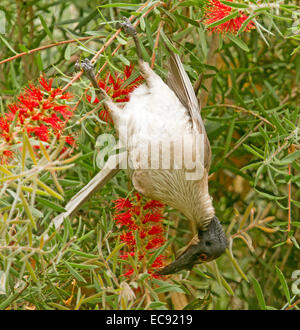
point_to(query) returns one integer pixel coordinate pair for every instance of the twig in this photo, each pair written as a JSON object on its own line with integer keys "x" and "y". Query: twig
{"x": 243, "y": 139}
{"x": 291, "y": 150}
{"x": 63, "y": 42}
{"x": 102, "y": 49}
{"x": 244, "y": 110}
{"x": 293, "y": 305}
{"x": 161, "y": 24}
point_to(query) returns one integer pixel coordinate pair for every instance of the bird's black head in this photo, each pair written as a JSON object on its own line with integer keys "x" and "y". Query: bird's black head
{"x": 206, "y": 246}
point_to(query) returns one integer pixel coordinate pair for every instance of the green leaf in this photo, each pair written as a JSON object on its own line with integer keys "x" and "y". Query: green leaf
{"x": 166, "y": 287}
{"x": 45, "y": 26}
{"x": 283, "y": 284}
{"x": 268, "y": 195}
{"x": 120, "y": 5}
{"x": 52, "y": 205}
{"x": 250, "y": 149}
{"x": 115, "y": 250}
{"x": 238, "y": 42}
{"x": 168, "y": 42}
{"x": 290, "y": 158}
{"x": 74, "y": 273}
{"x": 234, "y": 4}
{"x": 223, "y": 20}
{"x": 7, "y": 44}
{"x": 68, "y": 52}
{"x": 157, "y": 305}
{"x": 259, "y": 293}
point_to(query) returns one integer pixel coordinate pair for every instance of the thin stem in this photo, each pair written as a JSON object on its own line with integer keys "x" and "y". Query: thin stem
{"x": 63, "y": 42}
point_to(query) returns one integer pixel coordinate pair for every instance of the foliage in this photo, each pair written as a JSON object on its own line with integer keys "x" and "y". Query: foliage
{"x": 243, "y": 57}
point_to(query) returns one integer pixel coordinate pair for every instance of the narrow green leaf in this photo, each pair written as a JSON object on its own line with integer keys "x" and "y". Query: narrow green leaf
{"x": 46, "y": 28}
{"x": 250, "y": 149}
{"x": 115, "y": 250}
{"x": 7, "y": 44}
{"x": 50, "y": 204}
{"x": 259, "y": 293}
{"x": 31, "y": 271}
{"x": 223, "y": 20}
{"x": 238, "y": 42}
{"x": 234, "y": 4}
{"x": 74, "y": 273}
{"x": 168, "y": 42}
{"x": 283, "y": 284}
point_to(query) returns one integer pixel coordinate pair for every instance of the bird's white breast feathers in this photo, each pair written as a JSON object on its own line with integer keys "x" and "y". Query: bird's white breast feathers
{"x": 163, "y": 150}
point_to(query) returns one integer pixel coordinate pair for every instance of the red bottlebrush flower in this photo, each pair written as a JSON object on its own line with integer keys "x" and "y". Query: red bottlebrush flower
{"x": 153, "y": 205}
{"x": 155, "y": 230}
{"x": 122, "y": 203}
{"x": 215, "y": 11}
{"x": 125, "y": 256}
{"x": 47, "y": 85}
{"x": 128, "y": 238}
{"x": 158, "y": 262}
{"x": 70, "y": 140}
{"x": 155, "y": 243}
{"x": 6, "y": 156}
{"x": 105, "y": 116}
{"x": 40, "y": 132}
{"x": 124, "y": 219}
{"x": 115, "y": 86}
{"x": 136, "y": 209}
{"x": 137, "y": 196}
{"x": 143, "y": 234}
{"x": 152, "y": 217}
{"x": 38, "y": 112}
{"x": 130, "y": 214}
{"x": 129, "y": 273}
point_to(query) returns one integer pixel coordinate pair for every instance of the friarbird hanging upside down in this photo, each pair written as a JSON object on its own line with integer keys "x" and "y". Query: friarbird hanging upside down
{"x": 166, "y": 118}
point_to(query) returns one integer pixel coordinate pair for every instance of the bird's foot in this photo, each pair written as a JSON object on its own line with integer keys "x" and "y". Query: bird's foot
{"x": 88, "y": 69}
{"x": 127, "y": 27}
{"x": 86, "y": 66}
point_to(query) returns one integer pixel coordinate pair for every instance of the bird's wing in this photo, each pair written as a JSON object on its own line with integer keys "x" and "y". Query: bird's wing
{"x": 181, "y": 85}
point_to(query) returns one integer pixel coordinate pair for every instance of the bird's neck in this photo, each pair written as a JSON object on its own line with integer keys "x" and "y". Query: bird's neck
{"x": 190, "y": 197}
{"x": 201, "y": 210}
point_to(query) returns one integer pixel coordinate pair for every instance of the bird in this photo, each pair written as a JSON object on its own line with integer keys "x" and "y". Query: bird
{"x": 159, "y": 121}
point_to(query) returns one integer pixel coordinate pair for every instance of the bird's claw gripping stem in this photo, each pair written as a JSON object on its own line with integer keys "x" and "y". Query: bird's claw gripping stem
{"x": 127, "y": 27}
{"x": 88, "y": 69}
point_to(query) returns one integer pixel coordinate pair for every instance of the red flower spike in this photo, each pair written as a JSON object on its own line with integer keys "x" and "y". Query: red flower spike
{"x": 130, "y": 214}
{"x": 122, "y": 203}
{"x": 143, "y": 234}
{"x": 125, "y": 256}
{"x": 114, "y": 87}
{"x": 155, "y": 230}
{"x": 128, "y": 238}
{"x": 215, "y": 11}
{"x": 129, "y": 273}
{"x": 153, "y": 205}
{"x": 155, "y": 243}
{"x": 39, "y": 114}
{"x": 47, "y": 85}
{"x": 124, "y": 219}
{"x": 158, "y": 262}
{"x": 152, "y": 217}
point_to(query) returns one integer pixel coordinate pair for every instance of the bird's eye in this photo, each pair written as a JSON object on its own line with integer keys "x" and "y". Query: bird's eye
{"x": 203, "y": 256}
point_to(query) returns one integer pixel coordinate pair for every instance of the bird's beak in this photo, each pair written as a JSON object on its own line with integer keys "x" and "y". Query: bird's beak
{"x": 185, "y": 260}
{"x": 205, "y": 246}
